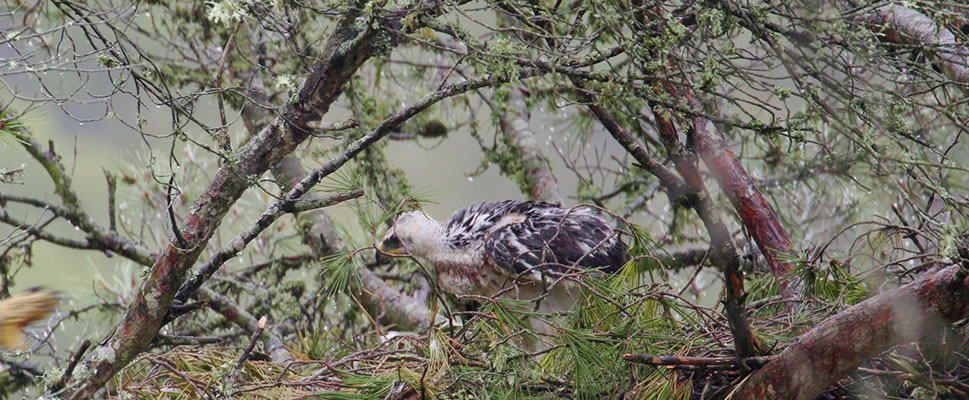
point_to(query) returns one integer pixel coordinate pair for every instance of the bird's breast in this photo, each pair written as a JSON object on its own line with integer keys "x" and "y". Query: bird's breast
{"x": 481, "y": 279}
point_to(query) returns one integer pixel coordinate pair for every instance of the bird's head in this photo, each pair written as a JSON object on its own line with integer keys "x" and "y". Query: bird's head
{"x": 413, "y": 233}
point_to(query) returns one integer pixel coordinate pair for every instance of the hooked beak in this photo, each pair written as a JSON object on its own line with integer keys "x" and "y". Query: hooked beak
{"x": 389, "y": 247}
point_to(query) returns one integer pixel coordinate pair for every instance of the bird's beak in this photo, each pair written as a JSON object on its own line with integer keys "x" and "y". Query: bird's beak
{"x": 390, "y": 246}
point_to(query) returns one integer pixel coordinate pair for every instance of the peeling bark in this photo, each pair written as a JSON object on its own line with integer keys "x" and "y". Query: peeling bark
{"x": 841, "y": 343}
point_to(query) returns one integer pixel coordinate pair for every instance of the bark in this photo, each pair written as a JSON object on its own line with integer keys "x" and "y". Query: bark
{"x": 721, "y": 240}
{"x": 346, "y": 50}
{"x": 755, "y": 212}
{"x": 537, "y": 181}
{"x": 902, "y": 25}
{"x": 841, "y": 343}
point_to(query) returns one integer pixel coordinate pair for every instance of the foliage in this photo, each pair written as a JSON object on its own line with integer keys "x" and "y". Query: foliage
{"x": 851, "y": 128}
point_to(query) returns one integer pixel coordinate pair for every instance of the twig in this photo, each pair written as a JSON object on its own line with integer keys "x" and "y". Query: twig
{"x": 242, "y": 318}
{"x": 260, "y": 326}
{"x": 10, "y": 175}
{"x": 70, "y": 365}
{"x": 112, "y": 188}
{"x": 312, "y": 204}
{"x": 674, "y": 361}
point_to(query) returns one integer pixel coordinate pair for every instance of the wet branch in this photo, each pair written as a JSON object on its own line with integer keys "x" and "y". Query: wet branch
{"x": 755, "y": 212}
{"x": 903, "y": 25}
{"x": 346, "y": 49}
{"x": 837, "y": 346}
{"x": 98, "y": 238}
{"x": 236, "y": 246}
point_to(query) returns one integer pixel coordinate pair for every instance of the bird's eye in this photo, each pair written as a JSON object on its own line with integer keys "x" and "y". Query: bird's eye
{"x": 392, "y": 242}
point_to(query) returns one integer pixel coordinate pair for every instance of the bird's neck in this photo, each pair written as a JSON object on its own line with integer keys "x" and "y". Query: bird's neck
{"x": 433, "y": 247}
{"x": 429, "y": 241}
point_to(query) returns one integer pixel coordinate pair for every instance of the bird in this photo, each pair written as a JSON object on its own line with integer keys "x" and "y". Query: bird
{"x": 22, "y": 309}
{"x": 526, "y": 250}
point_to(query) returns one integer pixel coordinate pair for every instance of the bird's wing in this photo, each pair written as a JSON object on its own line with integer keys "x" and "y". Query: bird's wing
{"x": 552, "y": 241}
{"x": 20, "y": 310}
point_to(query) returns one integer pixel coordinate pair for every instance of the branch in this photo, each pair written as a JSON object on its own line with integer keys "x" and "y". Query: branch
{"x": 672, "y": 182}
{"x": 260, "y": 326}
{"x": 755, "y": 212}
{"x": 841, "y": 343}
{"x": 42, "y": 234}
{"x": 721, "y": 240}
{"x": 346, "y": 50}
{"x": 903, "y": 25}
{"x": 98, "y": 237}
{"x": 677, "y": 361}
{"x": 538, "y": 182}
{"x": 236, "y": 246}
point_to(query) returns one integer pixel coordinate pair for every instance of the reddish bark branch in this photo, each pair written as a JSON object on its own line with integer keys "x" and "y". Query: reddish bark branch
{"x": 755, "y": 212}
{"x": 721, "y": 240}
{"x": 841, "y": 343}
{"x": 692, "y": 192}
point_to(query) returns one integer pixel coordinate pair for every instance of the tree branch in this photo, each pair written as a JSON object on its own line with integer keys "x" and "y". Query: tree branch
{"x": 721, "y": 240}
{"x": 755, "y": 212}
{"x": 346, "y": 50}
{"x": 841, "y": 343}
{"x": 537, "y": 181}
{"x": 98, "y": 237}
{"x": 903, "y": 25}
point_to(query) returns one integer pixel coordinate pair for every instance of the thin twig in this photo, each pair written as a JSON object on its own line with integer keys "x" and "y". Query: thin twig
{"x": 260, "y": 326}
